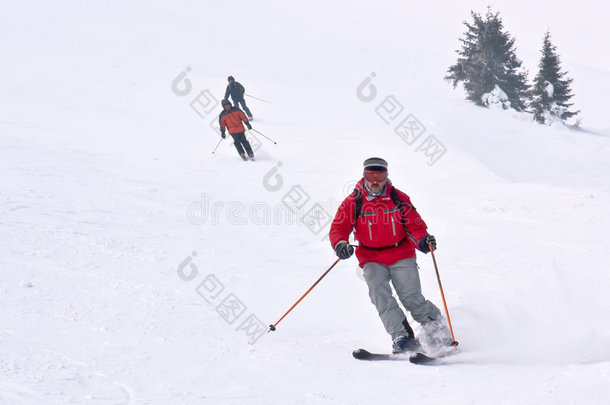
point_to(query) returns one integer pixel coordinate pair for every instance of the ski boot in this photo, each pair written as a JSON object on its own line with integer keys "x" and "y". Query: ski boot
{"x": 437, "y": 337}
{"x": 405, "y": 343}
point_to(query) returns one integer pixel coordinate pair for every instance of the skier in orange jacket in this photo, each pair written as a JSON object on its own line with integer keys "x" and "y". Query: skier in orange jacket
{"x": 232, "y": 118}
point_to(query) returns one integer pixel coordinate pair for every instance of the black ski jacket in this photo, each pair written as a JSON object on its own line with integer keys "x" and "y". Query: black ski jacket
{"x": 236, "y": 91}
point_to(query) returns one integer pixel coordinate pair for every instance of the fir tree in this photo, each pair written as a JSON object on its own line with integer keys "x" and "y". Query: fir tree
{"x": 551, "y": 91}
{"x": 487, "y": 59}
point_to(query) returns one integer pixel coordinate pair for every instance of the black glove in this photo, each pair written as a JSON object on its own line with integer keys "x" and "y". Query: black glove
{"x": 423, "y": 243}
{"x": 344, "y": 250}
{"x": 248, "y": 125}
{"x": 223, "y": 134}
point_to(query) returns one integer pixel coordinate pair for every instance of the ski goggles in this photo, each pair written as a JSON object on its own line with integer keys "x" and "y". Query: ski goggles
{"x": 374, "y": 175}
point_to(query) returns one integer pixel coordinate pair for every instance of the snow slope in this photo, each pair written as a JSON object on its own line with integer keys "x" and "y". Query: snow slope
{"x": 125, "y": 238}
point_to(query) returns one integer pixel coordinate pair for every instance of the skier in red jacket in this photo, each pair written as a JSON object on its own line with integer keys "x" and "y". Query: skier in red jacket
{"x": 231, "y": 118}
{"x": 388, "y": 229}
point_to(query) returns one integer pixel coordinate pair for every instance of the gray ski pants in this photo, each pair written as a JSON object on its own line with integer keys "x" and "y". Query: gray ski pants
{"x": 404, "y": 276}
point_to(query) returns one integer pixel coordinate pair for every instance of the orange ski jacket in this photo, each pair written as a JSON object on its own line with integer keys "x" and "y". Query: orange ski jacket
{"x": 232, "y": 121}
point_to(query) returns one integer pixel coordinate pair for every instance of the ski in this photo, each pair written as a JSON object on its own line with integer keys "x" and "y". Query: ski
{"x": 420, "y": 358}
{"x": 415, "y": 358}
{"x": 362, "y": 354}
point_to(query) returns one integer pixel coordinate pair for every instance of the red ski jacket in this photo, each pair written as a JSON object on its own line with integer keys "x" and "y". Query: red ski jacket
{"x": 379, "y": 228}
{"x": 232, "y": 120}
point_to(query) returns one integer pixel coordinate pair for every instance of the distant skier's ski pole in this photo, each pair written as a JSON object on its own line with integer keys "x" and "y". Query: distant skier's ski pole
{"x": 217, "y": 145}
{"x": 260, "y": 133}
{"x": 438, "y": 277}
{"x": 272, "y": 327}
{"x": 256, "y": 98}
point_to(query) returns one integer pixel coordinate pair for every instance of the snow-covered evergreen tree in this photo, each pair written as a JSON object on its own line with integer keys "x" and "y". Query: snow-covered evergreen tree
{"x": 551, "y": 91}
{"x": 487, "y": 59}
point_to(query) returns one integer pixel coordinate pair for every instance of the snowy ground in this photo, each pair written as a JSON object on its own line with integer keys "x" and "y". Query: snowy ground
{"x": 125, "y": 239}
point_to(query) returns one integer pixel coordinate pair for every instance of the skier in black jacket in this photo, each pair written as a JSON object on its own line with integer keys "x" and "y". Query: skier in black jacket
{"x": 236, "y": 91}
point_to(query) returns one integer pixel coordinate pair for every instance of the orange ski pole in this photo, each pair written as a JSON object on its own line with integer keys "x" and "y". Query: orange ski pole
{"x": 272, "y": 327}
{"x": 438, "y": 277}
